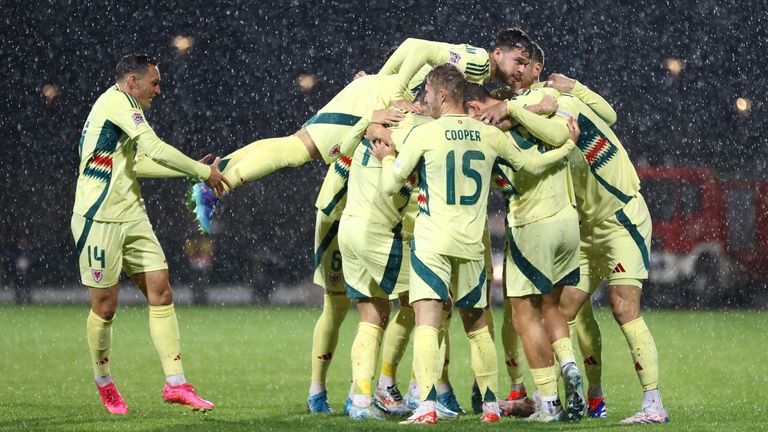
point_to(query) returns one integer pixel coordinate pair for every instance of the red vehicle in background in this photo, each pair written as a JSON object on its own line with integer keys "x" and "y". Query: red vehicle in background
{"x": 710, "y": 237}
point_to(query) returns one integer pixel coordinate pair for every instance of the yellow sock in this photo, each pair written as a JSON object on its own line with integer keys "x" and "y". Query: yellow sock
{"x": 483, "y": 356}
{"x": 326, "y": 335}
{"x": 426, "y": 360}
{"x": 489, "y": 322}
{"x": 546, "y": 380}
{"x": 644, "y": 353}
{"x": 563, "y": 351}
{"x": 444, "y": 339}
{"x": 262, "y": 157}
{"x": 99, "y": 333}
{"x": 365, "y": 352}
{"x": 164, "y": 330}
{"x": 590, "y": 344}
{"x": 396, "y": 340}
{"x": 511, "y": 343}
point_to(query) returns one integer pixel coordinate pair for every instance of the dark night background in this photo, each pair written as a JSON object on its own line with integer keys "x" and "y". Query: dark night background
{"x": 238, "y": 84}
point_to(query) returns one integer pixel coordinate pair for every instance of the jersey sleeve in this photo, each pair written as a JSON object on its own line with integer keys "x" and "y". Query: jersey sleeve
{"x": 600, "y": 106}
{"x": 395, "y": 171}
{"x": 550, "y": 131}
{"x": 166, "y": 155}
{"x": 147, "y": 168}
{"x": 421, "y": 53}
{"x": 355, "y": 135}
{"x": 531, "y": 163}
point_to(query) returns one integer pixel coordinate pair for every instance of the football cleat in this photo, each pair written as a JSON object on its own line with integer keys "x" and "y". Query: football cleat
{"x": 541, "y": 416}
{"x": 424, "y": 414}
{"x": 185, "y": 394}
{"x": 477, "y": 400}
{"x": 491, "y": 412}
{"x": 202, "y": 203}
{"x": 112, "y": 399}
{"x": 370, "y": 412}
{"x": 448, "y": 400}
{"x": 574, "y": 393}
{"x": 596, "y": 408}
{"x": 647, "y": 416}
{"x": 522, "y": 407}
{"x": 411, "y": 402}
{"x": 347, "y": 406}
{"x": 390, "y": 400}
{"x": 514, "y": 394}
{"x": 318, "y": 404}
{"x": 445, "y": 413}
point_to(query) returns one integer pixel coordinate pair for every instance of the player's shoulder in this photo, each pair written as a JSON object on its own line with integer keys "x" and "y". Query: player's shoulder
{"x": 115, "y": 99}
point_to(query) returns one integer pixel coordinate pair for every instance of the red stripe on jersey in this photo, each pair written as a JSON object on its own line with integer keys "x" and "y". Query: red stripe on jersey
{"x": 592, "y": 154}
{"x": 105, "y": 161}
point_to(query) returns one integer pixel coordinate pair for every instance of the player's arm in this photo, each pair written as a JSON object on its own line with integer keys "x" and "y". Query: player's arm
{"x": 377, "y": 118}
{"x": 549, "y": 130}
{"x": 147, "y": 168}
{"x": 395, "y": 61}
{"x": 422, "y": 53}
{"x": 395, "y": 171}
{"x": 168, "y": 156}
{"x": 600, "y": 106}
{"x": 537, "y": 164}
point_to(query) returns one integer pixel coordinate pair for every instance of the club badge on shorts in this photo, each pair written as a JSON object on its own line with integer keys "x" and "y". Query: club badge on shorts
{"x": 334, "y": 277}
{"x": 97, "y": 274}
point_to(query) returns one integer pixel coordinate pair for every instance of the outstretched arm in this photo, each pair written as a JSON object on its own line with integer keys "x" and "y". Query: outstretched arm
{"x": 541, "y": 162}
{"x": 600, "y": 106}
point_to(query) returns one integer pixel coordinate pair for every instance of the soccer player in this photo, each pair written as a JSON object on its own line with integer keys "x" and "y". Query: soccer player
{"x": 330, "y": 276}
{"x": 615, "y": 234}
{"x": 374, "y": 249}
{"x": 111, "y": 228}
{"x": 320, "y": 137}
{"x": 447, "y": 250}
{"x": 541, "y": 258}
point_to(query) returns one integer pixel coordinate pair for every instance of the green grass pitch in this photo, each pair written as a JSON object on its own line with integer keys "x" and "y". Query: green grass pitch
{"x": 253, "y": 363}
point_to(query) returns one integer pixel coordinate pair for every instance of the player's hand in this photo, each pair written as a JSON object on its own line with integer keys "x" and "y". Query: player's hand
{"x": 547, "y": 106}
{"x": 494, "y": 114}
{"x": 205, "y": 159}
{"x": 387, "y": 116}
{"x": 216, "y": 180}
{"x": 407, "y": 106}
{"x": 560, "y": 82}
{"x": 573, "y": 129}
{"x": 377, "y": 132}
{"x": 359, "y": 74}
{"x": 380, "y": 149}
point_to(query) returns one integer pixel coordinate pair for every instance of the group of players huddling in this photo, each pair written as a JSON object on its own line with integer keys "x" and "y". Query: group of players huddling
{"x": 402, "y": 216}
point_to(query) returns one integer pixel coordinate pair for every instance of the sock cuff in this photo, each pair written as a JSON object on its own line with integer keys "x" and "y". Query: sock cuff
{"x": 95, "y": 318}
{"x": 422, "y": 329}
{"x": 161, "y": 311}
{"x": 634, "y": 326}
{"x": 479, "y": 334}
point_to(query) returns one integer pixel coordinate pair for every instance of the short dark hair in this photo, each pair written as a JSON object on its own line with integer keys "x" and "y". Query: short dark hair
{"x": 133, "y": 63}
{"x": 449, "y": 77}
{"x": 537, "y": 54}
{"x": 511, "y": 38}
{"x": 475, "y": 92}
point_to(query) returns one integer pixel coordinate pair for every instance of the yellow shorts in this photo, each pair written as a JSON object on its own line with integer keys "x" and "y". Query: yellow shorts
{"x": 376, "y": 259}
{"x": 542, "y": 255}
{"x": 329, "y": 272}
{"x": 438, "y": 277}
{"x": 617, "y": 249}
{"x": 106, "y": 248}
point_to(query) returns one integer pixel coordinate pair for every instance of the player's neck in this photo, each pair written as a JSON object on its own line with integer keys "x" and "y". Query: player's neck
{"x": 452, "y": 109}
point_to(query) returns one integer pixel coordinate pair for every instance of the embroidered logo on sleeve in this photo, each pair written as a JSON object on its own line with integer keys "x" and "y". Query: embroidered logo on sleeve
{"x": 137, "y": 119}
{"x": 454, "y": 58}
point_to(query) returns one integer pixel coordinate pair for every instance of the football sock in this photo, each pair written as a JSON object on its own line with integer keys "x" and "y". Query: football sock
{"x": 175, "y": 380}
{"x": 652, "y": 400}
{"x": 365, "y": 352}
{"x": 644, "y": 353}
{"x": 563, "y": 351}
{"x": 101, "y": 381}
{"x": 164, "y": 331}
{"x": 426, "y": 360}
{"x": 511, "y": 343}
{"x": 263, "y": 157}
{"x": 444, "y": 339}
{"x": 546, "y": 381}
{"x": 394, "y": 344}
{"x": 590, "y": 344}
{"x": 325, "y": 338}
{"x": 489, "y": 322}
{"x": 99, "y": 333}
{"x": 483, "y": 357}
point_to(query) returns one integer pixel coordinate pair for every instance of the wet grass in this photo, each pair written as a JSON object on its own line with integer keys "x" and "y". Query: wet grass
{"x": 254, "y": 364}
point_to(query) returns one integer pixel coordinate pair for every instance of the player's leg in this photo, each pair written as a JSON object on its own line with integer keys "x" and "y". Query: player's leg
{"x": 393, "y": 347}
{"x": 328, "y": 274}
{"x": 144, "y": 262}
{"x": 539, "y": 354}
{"x": 447, "y": 406}
{"x": 100, "y": 261}
{"x": 374, "y": 313}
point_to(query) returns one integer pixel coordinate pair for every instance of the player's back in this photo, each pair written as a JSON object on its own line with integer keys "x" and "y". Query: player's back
{"x": 107, "y": 189}
{"x": 603, "y": 175}
{"x": 363, "y": 96}
{"x": 454, "y": 180}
